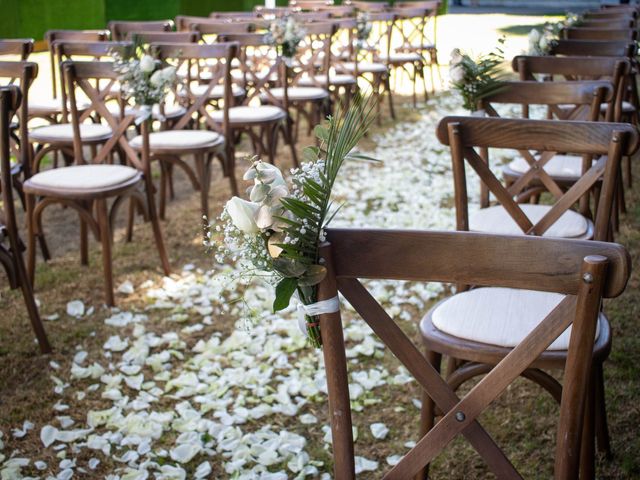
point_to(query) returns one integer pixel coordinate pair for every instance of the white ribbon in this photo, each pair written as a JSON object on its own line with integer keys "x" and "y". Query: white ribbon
{"x": 331, "y": 305}
{"x": 144, "y": 112}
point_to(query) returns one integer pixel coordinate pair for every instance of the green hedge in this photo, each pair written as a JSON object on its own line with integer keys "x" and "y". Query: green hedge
{"x": 32, "y": 18}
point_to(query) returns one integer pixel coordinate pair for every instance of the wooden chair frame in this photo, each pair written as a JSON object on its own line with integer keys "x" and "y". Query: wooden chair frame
{"x": 11, "y": 254}
{"x": 120, "y": 30}
{"x": 584, "y": 271}
{"x": 629, "y": 34}
{"x": 22, "y": 47}
{"x": 139, "y": 189}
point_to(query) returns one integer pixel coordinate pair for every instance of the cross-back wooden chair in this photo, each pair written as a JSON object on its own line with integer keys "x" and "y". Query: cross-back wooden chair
{"x": 370, "y": 58}
{"x": 622, "y": 23}
{"x": 320, "y": 67}
{"x": 59, "y": 137}
{"x": 370, "y": 6}
{"x": 195, "y": 132}
{"x": 629, "y": 34}
{"x": 308, "y": 92}
{"x": 121, "y": 30}
{"x": 410, "y": 26}
{"x": 90, "y": 184}
{"x": 11, "y": 246}
{"x": 260, "y": 115}
{"x": 580, "y": 272}
{"x": 497, "y": 320}
{"x": 23, "y": 74}
{"x": 183, "y": 22}
{"x": 341, "y": 83}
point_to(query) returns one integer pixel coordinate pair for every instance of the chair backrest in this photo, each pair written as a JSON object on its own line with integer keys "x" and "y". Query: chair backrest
{"x": 609, "y": 23}
{"x": 212, "y": 28}
{"x": 314, "y": 52}
{"x": 410, "y": 24}
{"x": 24, "y": 73}
{"x": 607, "y": 142}
{"x": 275, "y": 12}
{"x": 615, "y": 69}
{"x": 260, "y": 68}
{"x": 164, "y": 37}
{"x": 121, "y": 29}
{"x": 595, "y": 48}
{"x": 219, "y": 57}
{"x": 21, "y": 47}
{"x": 629, "y": 34}
{"x": 338, "y": 11}
{"x": 583, "y": 271}
{"x": 87, "y": 78}
{"x": 378, "y": 45}
{"x": 319, "y": 16}
{"x": 604, "y": 14}
{"x": 183, "y": 22}
{"x": 371, "y": 6}
{"x": 233, "y": 15}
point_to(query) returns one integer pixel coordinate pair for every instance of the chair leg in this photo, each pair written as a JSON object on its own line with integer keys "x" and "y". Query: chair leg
{"x": 105, "y": 240}
{"x": 427, "y": 412}
{"x": 286, "y": 132}
{"x": 230, "y": 162}
{"x": 587, "y": 447}
{"x": 386, "y": 84}
{"x": 628, "y": 171}
{"x": 84, "y": 239}
{"x": 155, "y": 224}
{"x": 600, "y": 407}
{"x": 130, "y": 218}
{"x": 31, "y": 239}
{"x": 203, "y": 165}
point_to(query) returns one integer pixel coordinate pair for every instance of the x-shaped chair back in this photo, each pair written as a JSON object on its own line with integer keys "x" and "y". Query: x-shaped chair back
{"x": 584, "y": 271}
{"x": 24, "y": 73}
{"x": 411, "y": 25}
{"x": 75, "y": 50}
{"x": 220, "y": 56}
{"x": 343, "y": 44}
{"x": 79, "y": 77}
{"x": 120, "y": 30}
{"x": 629, "y": 34}
{"x": 314, "y": 52}
{"x": 378, "y": 45}
{"x": 608, "y": 141}
{"x": 53, "y": 36}
{"x": 261, "y": 68}
{"x": 614, "y": 69}
{"x": 595, "y": 48}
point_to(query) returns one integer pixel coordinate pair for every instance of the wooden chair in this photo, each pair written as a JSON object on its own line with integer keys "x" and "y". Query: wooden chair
{"x": 622, "y": 23}
{"x": 260, "y": 115}
{"x": 594, "y": 48}
{"x": 338, "y": 11}
{"x": 370, "y": 60}
{"x": 20, "y": 47}
{"x": 629, "y": 34}
{"x": 196, "y": 133}
{"x": 164, "y": 37}
{"x": 604, "y": 14}
{"x": 121, "y": 30}
{"x": 410, "y": 23}
{"x": 486, "y": 338}
{"x": 88, "y": 186}
{"x": 582, "y": 272}
{"x": 233, "y": 16}
{"x": 59, "y": 137}
{"x": 10, "y": 244}
{"x": 183, "y": 22}
{"x": 370, "y": 6}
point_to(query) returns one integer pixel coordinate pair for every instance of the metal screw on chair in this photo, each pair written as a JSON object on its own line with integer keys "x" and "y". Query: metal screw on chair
{"x": 588, "y": 278}
{"x": 460, "y": 416}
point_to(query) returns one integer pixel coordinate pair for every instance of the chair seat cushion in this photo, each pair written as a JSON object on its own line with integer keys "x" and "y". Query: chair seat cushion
{"x": 216, "y": 92}
{"x": 180, "y": 139}
{"x": 334, "y": 79}
{"x": 63, "y": 132}
{"x": 497, "y": 220}
{"x": 365, "y": 67}
{"x": 83, "y": 177}
{"x": 497, "y": 316}
{"x": 299, "y": 93}
{"x": 627, "y": 107}
{"x": 50, "y": 105}
{"x": 403, "y": 57}
{"x": 568, "y": 166}
{"x": 250, "y": 114}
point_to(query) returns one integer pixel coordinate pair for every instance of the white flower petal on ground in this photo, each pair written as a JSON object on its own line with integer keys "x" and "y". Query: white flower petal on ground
{"x": 93, "y": 463}
{"x": 126, "y": 288}
{"x": 393, "y": 460}
{"x": 75, "y": 308}
{"x": 116, "y": 344}
{"x": 48, "y": 435}
{"x": 22, "y": 432}
{"x": 203, "y": 470}
{"x": 379, "y": 430}
{"x": 365, "y": 465}
{"x": 185, "y": 452}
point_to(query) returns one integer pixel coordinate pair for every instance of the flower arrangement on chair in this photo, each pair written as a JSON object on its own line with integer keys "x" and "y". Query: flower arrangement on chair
{"x": 541, "y": 43}
{"x": 475, "y": 79}
{"x": 286, "y": 33}
{"x": 278, "y": 231}
{"x": 143, "y": 78}
{"x": 363, "y": 29}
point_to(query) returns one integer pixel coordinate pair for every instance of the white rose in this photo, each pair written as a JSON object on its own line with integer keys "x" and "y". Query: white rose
{"x": 169, "y": 74}
{"x": 544, "y": 43}
{"x": 157, "y": 78}
{"x": 147, "y": 64}
{"x": 456, "y": 74}
{"x": 456, "y": 57}
{"x": 242, "y": 214}
{"x": 534, "y": 37}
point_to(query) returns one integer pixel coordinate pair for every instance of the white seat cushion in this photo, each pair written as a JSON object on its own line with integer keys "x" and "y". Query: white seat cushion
{"x": 51, "y": 105}
{"x": 403, "y": 57}
{"x": 365, "y": 67}
{"x": 335, "y": 79}
{"x": 178, "y": 139}
{"x": 559, "y": 166}
{"x": 84, "y": 177}
{"x": 496, "y": 220}
{"x": 249, "y": 114}
{"x": 217, "y": 91}
{"x": 498, "y": 316}
{"x": 299, "y": 93}
{"x": 63, "y": 132}
{"x": 627, "y": 107}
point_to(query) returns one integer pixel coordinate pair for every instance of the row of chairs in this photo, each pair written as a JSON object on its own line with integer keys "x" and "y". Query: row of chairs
{"x": 511, "y": 313}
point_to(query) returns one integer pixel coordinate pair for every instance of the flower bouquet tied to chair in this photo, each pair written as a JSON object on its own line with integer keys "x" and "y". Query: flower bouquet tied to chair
{"x": 279, "y": 230}
{"x": 476, "y": 78}
{"x": 286, "y": 34}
